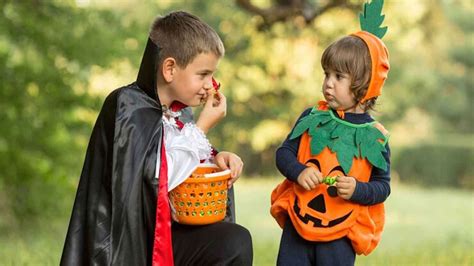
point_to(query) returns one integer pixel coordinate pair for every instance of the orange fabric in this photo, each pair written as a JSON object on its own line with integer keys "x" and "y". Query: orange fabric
{"x": 340, "y": 113}
{"x": 323, "y": 105}
{"x": 363, "y": 225}
{"x": 380, "y": 65}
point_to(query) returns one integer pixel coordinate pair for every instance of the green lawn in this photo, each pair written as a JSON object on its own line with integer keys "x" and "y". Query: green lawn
{"x": 424, "y": 227}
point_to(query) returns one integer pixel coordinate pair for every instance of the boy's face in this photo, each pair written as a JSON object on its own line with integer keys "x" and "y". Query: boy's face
{"x": 191, "y": 84}
{"x": 337, "y": 92}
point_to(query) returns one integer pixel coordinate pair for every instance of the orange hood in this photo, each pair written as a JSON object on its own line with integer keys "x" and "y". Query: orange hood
{"x": 380, "y": 66}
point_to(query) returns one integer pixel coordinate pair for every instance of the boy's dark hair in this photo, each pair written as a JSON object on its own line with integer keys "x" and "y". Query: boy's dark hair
{"x": 351, "y": 55}
{"x": 183, "y": 36}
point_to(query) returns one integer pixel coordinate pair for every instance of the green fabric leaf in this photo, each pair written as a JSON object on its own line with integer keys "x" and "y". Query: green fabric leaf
{"x": 360, "y": 133}
{"x": 371, "y": 19}
{"x": 319, "y": 140}
{"x": 313, "y": 120}
{"x": 345, "y": 162}
{"x": 317, "y": 146}
{"x": 346, "y": 134}
{"x": 324, "y": 119}
{"x": 345, "y": 153}
{"x": 373, "y": 153}
{"x": 313, "y": 130}
{"x": 330, "y": 126}
{"x": 302, "y": 125}
{"x": 338, "y": 131}
{"x": 374, "y": 133}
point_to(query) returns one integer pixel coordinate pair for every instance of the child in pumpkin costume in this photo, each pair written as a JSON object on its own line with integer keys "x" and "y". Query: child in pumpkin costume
{"x": 325, "y": 223}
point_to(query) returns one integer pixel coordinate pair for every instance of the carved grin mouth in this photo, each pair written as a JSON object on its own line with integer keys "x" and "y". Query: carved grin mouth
{"x": 316, "y": 221}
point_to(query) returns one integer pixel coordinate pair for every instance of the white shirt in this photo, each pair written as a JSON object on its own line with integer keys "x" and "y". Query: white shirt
{"x": 185, "y": 149}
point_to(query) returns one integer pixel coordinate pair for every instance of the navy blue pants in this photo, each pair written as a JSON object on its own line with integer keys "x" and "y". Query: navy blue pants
{"x": 295, "y": 250}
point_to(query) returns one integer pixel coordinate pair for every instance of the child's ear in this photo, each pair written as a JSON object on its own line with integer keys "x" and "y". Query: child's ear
{"x": 168, "y": 69}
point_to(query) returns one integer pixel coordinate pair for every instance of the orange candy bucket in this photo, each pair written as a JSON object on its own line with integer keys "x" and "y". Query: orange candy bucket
{"x": 202, "y": 198}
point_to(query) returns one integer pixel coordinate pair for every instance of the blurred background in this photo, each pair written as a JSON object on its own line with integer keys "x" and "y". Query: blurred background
{"x": 60, "y": 58}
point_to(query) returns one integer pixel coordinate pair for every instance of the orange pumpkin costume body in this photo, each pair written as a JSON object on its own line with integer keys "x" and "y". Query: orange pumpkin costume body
{"x": 315, "y": 215}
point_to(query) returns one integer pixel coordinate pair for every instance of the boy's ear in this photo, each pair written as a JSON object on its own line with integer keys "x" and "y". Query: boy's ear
{"x": 168, "y": 69}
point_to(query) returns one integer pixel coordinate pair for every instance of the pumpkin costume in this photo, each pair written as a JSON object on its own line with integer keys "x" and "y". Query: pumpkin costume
{"x": 317, "y": 215}
{"x": 338, "y": 147}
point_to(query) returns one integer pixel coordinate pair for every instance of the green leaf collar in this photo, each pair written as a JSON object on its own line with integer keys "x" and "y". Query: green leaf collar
{"x": 347, "y": 140}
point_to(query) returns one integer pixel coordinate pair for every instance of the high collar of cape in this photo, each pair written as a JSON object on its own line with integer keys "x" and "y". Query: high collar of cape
{"x": 146, "y": 81}
{"x": 147, "y": 74}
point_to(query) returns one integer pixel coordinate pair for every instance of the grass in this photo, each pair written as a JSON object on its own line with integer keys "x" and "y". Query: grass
{"x": 423, "y": 227}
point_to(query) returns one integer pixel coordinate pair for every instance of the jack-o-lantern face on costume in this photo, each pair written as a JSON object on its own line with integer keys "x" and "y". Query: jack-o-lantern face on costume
{"x": 320, "y": 211}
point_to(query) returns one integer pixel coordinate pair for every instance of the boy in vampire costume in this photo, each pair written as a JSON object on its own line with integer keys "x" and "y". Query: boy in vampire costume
{"x": 121, "y": 214}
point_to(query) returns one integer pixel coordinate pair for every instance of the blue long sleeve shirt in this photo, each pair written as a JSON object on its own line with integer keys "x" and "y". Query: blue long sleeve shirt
{"x": 366, "y": 193}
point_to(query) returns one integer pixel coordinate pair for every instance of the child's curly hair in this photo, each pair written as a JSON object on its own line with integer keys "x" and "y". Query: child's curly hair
{"x": 351, "y": 55}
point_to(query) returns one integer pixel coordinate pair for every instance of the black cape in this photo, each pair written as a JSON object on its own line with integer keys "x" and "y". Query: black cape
{"x": 113, "y": 218}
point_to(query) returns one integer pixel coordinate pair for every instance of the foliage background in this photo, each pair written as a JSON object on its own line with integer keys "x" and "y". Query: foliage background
{"x": 59, "y": 59}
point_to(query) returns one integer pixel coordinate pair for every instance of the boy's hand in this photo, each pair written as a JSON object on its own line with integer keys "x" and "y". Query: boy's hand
{"x": 228, "y": 160}
{"x": 345, "y": 186}
{"x": 310, "y": 178}
{"x": 214, "y": 110}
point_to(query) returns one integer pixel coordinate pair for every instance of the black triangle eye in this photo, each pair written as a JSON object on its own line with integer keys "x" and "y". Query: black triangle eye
{"x": 318, "y": 204}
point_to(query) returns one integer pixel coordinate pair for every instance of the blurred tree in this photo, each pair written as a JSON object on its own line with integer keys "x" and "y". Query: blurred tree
{"x": 454, "y": 104}
{"x": 284, "y": 10}
{"x": 47, "y": 50}
{"x": 432, "y": 66}
{"x": 435, "y": 85}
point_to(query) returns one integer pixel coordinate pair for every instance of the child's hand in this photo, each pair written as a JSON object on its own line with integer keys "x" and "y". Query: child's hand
{"x": 345, "y": 186}
{"x": 310, "y": 178}
{"x": 214, "y": 110}
{"x": 228, "y": 160}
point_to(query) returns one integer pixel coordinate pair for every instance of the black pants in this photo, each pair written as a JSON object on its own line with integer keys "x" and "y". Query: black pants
{"x": 215, "y": 244}
{"x": 295, "y": 250}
